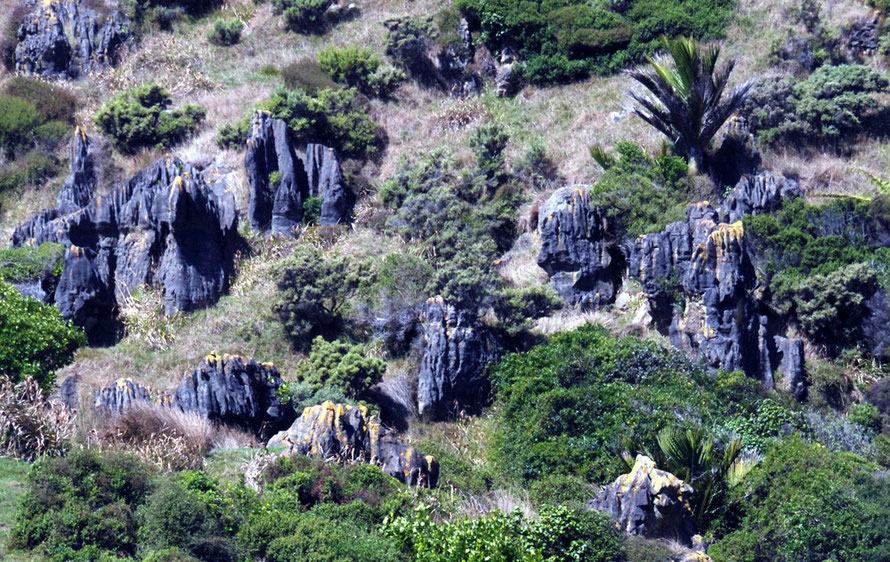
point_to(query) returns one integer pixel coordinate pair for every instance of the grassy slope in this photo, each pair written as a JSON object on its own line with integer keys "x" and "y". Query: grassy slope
{"x": 13, "y": 477}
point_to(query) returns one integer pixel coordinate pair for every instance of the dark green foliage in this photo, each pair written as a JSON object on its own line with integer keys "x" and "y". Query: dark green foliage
{"x": 565, "y": 407}
{"x": 867, "y": 416}
{"x": 804, "y": 502}
{"x": 561, "y": 489}
{"x": 315, "y": 292}
{"x": 334, "y": 117}
{"x": 34, "y": 340}
{"x": 517, "y": 309}
{"x": 304, "y": 16}
{"x": 559, "y": 535}
{"x": 81, "y": 507}
{"x": 52, "y": 101}
{"x": 761, "y": 428}
{"x": 225, "y": 32}
{"x": 32, "y": 169}
{"x": 28, "y": 263}
{"x": 233, "y": 135}
{"x": 341, "y": 365}
{"x": 312, "y": 210}
{"x": 565, "y": 40}
{"x": 139, "y": 118}
{"x": 643, "y": 194}
{"x": 407, "y": 41}
{"x": 832, "y": 108}
{"x": 18, "y": 118}
{"x": 305, "y": 74}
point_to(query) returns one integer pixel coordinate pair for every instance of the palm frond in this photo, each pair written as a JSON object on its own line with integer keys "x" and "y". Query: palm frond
{"x": 601, "y": 157}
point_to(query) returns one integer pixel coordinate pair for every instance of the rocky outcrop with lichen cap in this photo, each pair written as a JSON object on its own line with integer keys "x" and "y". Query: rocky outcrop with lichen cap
{"x": 80, "y": 185}
{"x": 120, "y": 395}
{"x": 456, "y": 350}
{"x": 68, "y": 39}
{"x": 648, "y": 502}
{"x": 578, "y": 248}
{"x": 172, "y": 226}
{"x": 350, "y": 433}
{"x": 326, "y": 181}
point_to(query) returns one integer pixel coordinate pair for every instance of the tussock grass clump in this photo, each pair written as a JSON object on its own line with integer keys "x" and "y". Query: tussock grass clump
{"x": 31, "y": 425}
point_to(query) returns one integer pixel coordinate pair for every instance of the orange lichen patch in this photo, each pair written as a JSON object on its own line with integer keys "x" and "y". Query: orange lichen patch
{"x": 79, "y": 131}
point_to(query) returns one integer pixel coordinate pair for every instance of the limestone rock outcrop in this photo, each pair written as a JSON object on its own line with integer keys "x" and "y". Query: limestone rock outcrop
{"x": 280, "y": 182}
{"x": 790, "y": 363}
{"x": 578, "y": 248}
{"x": 92, "y": 43}
{"x": 456, "y": 351}
{"x": 648, "y": 502}
{"x": 756, "y": 195}
{"x": 81, "y": 182}
{"x": 226, "y": 389}
{"x": 172, "y": 226}
{"x": 349, "y": 433}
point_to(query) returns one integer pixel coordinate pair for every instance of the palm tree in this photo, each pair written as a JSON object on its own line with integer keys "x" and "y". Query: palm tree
{"x": 689, "y": 106}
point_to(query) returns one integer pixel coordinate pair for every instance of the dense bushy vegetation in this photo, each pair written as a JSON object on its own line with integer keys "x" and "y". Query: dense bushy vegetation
{"x": 225, "y": 33}
{"x": 32, "y": 263}
{"x": 140, "y": 118}
{"x": 567, "y": 40}
{"x": 34, "y": 340}
{"x": 359, "y": 68}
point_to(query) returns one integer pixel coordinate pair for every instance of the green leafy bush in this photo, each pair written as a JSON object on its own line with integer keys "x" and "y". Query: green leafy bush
{"x": 832, "y": 108}
{"x": 566, "y": 40}
{"x": 29, "y": 263}
{"x": 340, "y": 365}
{"x": 358, "y": 67}
{"x": 315, "y": 292}
{"x": 34, "y": 340}
{"x": 233, "y": 136}
{"x": 81, "y": 507}
{"x": 18, "y": 119}
{"x": 804, "y": 502}
{"x": 867, "y": 416}
{"x": 304, "y": 16}
{"x": 567, "y": 406}
{"x": 643, "y": 194}
{"x": 53, "y": 101}
{"x": 335, "y": 117}
{"x": 760, "y": 429}
{"x": 225, "y": 33}
{"x": 139, "y": 118}
{"x": 559, "y": 534}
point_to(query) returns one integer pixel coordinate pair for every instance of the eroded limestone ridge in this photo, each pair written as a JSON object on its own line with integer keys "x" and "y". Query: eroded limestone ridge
{"x": 69, "y": 39}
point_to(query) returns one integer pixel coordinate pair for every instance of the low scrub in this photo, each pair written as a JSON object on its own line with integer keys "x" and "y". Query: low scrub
{"x": 32, "y": 426}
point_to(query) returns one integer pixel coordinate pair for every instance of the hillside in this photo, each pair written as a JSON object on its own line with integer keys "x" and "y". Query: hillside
{"x": 465, "y": 280}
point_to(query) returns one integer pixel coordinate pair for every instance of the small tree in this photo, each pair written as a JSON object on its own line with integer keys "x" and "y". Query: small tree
{"x": 689, "y": 106}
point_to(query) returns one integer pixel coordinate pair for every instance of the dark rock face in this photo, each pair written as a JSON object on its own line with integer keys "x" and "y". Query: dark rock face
{"x": 69, "y": 392}
{"x": 43, "y": 48}
{"x": 234, "y": 391}
{"x": 172, "y": 226}
{"x": 578, "y": 251}
{"x": 456, "y": 350}
{"x": 760, "y": 194}
{"x": 348, "y": 433}
{"x": 326, "y": 181}
{"x": 280, "y": 183}
{"x": 226, "y": 389}
{"x": 81, "y": 181}
{"x": 648, "y": 502}
{"x": 791, "y": 366}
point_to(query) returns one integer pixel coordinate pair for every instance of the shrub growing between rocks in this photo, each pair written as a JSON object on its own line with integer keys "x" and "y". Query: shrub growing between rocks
{"x": 340, "y": 365}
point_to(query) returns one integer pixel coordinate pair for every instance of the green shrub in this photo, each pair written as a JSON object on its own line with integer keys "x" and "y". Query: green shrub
{"x": 760, "y": 429}
{"x": 407, "y": 41}
{"x": 561, "y": 489}
{"x": 28, "y": 263}
{"x": 643, "y": 194}
{"x": 32, "y": 169}
{"x": 340, "y": 365}
{"x": 314, "y": 293}
{"x": 81, "y": 507}
{"x": 10, "y": 32}
{"x": 866, "y": 416}
{"x": 34, "y": 340}
{"x": 832, "y": 108}
{"x": 304, "y": 16}
{"x": 52, "y": 101}
{"x": 567, "y": 406}
{"x": 139, "y": 118}
{"x": 225, "y": 33}
{"x": 318, "y": 539}
{"x": 335, "y": 117}
{"x": 567, "y": 40}
{"x": 305, "y": 74}
{"x": 233, "y": 136}
{"x": 18, "y": 119}
{"x": 360, "y": 68}
{"x": 804, "y": 502}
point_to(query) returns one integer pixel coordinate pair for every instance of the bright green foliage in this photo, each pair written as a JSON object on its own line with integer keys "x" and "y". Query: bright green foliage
{"x": 833, "y": 107}
{"x": 335, "y": 117}
{"x": 359, "y": 67}
{"x": 643, "y": 194}
{"x": 315, "y": 292}
{"x": 304, "y": 16}
{"x": 82, "y": 506}
{"x": 28, "y": 263}
{"x": 233, "y": 135}
{"x": 566, "y": 406}
{"x": 760, "y": 429}
{"x": 225, "y": 32}
{"x": 866, "y": 415}
{"x": 139, "y": 118}
{"x": 559, "y": 535}
{"x": 688, "y": 106}
{"x": 342, "y": 366}
{"x": 18, "y": 118}
{"x": 34, "y": 340}
{"x": 312, "y": 210}
{"x": 566, "y": 40}
{"x": 804, "y": 502}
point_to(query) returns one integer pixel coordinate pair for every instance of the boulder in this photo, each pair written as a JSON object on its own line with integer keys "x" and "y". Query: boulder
{"x": 349, "y": 433}
{"x": 326, "y": 181}
{"x": 278, "y": 181}
{"x": 69, "y": 391}
{"x": 578, "y": 249}
{"x": 172, "y": 226}
{"x": 456, "y": 351}
{"x": 225, "y": 389}
{"x": 92, "y": 43}
{"x": 648, "y": 502}
{"x": 235, "y": 391}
